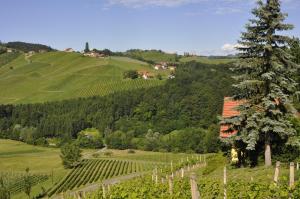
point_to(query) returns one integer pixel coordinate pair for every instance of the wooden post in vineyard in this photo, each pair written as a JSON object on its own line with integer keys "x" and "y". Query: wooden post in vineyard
{"x": 171, "y": 185}
{"x": 156, "y": 177}
{"x": 108, "y": 188}
{"x": 103, "y": 191}
{"x": 152, "y": 176}
{"x": 194, "y": 187}
{"x": 276, "y": 172}
{"x": 297, "y": 166}
{"x": 292, "y": 174}
{"x": 80, "y": 196}
{"x": 52, "y": 176}
{"x": 182, "y": 172}
{"x": 225, "y": 182}
{"x": 171, "y": 166}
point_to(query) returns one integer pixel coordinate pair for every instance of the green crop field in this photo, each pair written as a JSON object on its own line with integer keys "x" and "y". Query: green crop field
{"x": 149, "y": 156}
{"x": 8, "y": 57}
{"x": 15, "y": 180}
{"x": 48, "y": 172}
{"x": 94, "y": 170}
{"x": 15, "y": 157}
{"x": 241, "y": 183}
{"x": 60, "y": 75}
{"x": 152, "y": 55}
{"x": 208, "y": 60}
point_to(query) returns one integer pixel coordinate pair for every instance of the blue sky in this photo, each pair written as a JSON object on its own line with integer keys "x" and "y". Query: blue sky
{"x": 201, "y": 26}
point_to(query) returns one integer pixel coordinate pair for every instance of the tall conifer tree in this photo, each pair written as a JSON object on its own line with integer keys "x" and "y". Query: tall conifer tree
{"x": 87, "y": 48}
{"x": 265, "y": 83}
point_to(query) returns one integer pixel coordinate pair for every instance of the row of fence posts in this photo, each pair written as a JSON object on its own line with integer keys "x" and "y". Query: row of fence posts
{"x": 292, "y": 173}
{"x": 196, "y": 194}
{"x": 276, "y": 176}
{"x": 181, "y": 173}
{"x": 193, "y": 180}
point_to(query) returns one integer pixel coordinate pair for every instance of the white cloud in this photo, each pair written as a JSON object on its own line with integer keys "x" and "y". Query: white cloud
{"x": 230, "y": 48}
{"x": 227, "y": 10}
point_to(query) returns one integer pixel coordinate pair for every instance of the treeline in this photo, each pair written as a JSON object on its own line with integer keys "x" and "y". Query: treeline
{"x": 152, "y": 56}
{"x": 26, "y": 47}
{"x": 189, "y": 103}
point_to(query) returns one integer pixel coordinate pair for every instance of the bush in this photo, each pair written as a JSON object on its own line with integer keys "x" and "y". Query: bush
{"x": 96, "y": 155}
{"x": 131, "y": 151}
{"x": 108, "y": 153}
{"x": 131, "y": 74}
{"x": 90, "y": 138}
{"x": 70, "y": 155}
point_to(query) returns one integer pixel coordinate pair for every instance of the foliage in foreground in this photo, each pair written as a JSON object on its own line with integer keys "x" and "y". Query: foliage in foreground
{"x": 146, "y": 188}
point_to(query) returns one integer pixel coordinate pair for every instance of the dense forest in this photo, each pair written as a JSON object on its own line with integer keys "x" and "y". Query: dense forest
{"x": 171, "y": 117}
{"x": 26, "y": 47}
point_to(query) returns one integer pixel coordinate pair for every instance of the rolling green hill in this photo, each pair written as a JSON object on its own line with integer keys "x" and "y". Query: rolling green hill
{"x": 152, "y": 56}
{"x": 208, "y": 60}
{"x": 60, "y": 75}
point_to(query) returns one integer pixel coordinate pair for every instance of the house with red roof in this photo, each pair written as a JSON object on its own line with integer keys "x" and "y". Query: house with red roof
{"x": 229, "y": 110}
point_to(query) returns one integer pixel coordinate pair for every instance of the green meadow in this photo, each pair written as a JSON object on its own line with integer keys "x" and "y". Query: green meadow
{"x": 60, "y": 75}
{"x": 207, "y": 60}
{"x": 15, "y": 157}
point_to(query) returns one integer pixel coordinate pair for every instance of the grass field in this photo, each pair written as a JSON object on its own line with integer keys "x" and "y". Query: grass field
{"x": 149, "y": 156}
{"x": 152, "y": 55}
{"x": 59, "y": 75}
{"x": 15, "y": 157}
{"x": 207, "y": 60}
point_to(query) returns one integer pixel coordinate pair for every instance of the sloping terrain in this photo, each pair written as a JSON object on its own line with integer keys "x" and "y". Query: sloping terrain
{"x": 60, "y": 75}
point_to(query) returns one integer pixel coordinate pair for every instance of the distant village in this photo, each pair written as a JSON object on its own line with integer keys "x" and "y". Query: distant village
{"x": 142, "y": 74}
{"x": 160, "y": 66}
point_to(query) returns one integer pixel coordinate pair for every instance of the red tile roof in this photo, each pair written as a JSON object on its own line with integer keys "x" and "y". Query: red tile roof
{"x": 229, "y": 110}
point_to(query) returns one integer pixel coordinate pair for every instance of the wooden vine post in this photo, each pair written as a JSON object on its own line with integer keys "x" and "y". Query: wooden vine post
{"x": 225, "y": 182}
{"x": 80, "y": 195}
{"x": 276, "y": 172}
{"x": 171, "y": 185}
{"x": 156, "y": 176}
{"x": 103, "y": 191}
{"x": 52, "y": 176}
{"x": 292, "y": 174}
{"x": 194, "y": 187}
{"x": 297, "y": 166}
{"x": 182, "y": 172}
